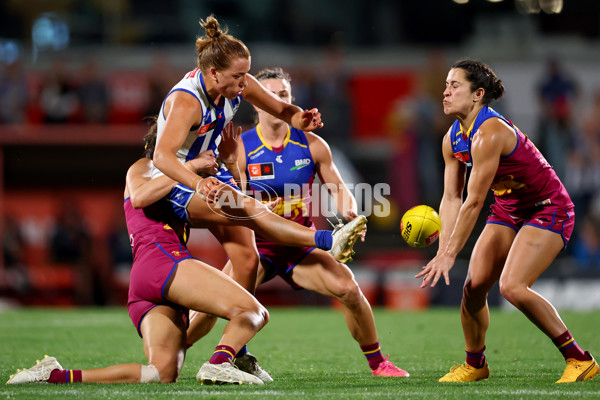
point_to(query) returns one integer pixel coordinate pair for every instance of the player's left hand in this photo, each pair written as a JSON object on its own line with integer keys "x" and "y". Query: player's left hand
{"x": 309, "y": 120}
{"x": 433, "y": 271}
{"x": 228, "y": 148}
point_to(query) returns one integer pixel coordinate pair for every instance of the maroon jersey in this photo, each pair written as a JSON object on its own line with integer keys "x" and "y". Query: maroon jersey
{"x": 524, "y": 178}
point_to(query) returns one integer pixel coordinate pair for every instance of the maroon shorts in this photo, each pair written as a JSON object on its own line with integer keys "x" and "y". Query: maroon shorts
{"x": 560, "y": 221}
{"x": 281, "y": 260}
{"x": 150, "y": 273}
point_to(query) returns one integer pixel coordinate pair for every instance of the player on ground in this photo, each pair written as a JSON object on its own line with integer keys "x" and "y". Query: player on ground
{"x": 530, "y": 222}
{"x": 272, "y": 156}
{"x": 166, "y": 281}
{"x": 191, "y": 120}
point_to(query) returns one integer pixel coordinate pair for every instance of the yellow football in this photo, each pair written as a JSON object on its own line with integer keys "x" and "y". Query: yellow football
{"x": 420, "y": 226}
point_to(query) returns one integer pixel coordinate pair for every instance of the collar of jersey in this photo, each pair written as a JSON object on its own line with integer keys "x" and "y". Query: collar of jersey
{"x": 210, "y": 100}
{"x": 267, "y": 145}
{"x": 470, "y": 130}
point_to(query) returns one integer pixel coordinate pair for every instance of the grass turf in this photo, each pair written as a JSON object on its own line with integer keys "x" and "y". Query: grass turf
{"x": 309, "y": 353}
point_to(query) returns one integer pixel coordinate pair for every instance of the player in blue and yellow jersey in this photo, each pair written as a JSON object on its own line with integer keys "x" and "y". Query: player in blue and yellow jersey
{"x": 274, "y": 155}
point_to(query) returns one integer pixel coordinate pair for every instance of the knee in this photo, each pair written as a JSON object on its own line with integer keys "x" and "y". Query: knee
{"x": 511, "y": 291}
{"x": 167, "y": 369}
{"x": 475, "y": 289}
{"x": 168, "y": 373}
{"x": 254, "y": 315}
{"x": 348, "y": 292}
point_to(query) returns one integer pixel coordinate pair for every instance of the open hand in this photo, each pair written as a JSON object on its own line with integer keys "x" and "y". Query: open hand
{"x": 433, "y": 271}
{"x": 228, "y": 148}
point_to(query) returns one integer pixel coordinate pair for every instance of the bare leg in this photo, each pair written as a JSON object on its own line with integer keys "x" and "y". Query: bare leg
{"x": 202, "y": 323}
{"x": 246, "y": 211}
{"x": 485, "y": 268}
{"x": 240, "y": 247}
{"x": 533, "y": 251}
{"x": 197, "y": 286}
{"x": 321, "y": 273}
{"x": 163, "y": 332}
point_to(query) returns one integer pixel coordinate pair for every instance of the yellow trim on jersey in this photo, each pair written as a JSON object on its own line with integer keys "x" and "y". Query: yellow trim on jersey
{"x": 267, "y": 145}
{"x": 254, "y": 151}
{"x": 468, "y": 131}
{"x": 298, "y": 144}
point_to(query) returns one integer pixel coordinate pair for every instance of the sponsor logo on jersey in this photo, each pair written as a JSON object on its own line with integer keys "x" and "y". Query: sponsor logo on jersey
{"x": 260, "y": 153}
{"x": 205, "y": 128}
{"x": 300, "y": 164}
{"x": 463, "y": 156}
{"x": 261, "y": 171}
{"x": 278, "y": 159}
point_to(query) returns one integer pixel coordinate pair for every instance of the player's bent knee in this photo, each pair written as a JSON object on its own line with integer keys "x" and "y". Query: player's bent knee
{"x": 149, "y": 374}
{"x": 265, "y": 315}
{"x": 512, "y": 293}
{"x": 255, "y": 315}
{"x": 168, "y": 372}
{"x": 352, "y": 295}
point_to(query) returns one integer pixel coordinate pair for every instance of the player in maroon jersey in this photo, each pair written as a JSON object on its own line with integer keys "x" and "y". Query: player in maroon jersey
{"x": 166, "y": 282}
{"x": 529, "y": 223}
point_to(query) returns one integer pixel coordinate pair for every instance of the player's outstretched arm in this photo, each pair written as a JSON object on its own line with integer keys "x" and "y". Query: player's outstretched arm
{"x": 306, "y": 120}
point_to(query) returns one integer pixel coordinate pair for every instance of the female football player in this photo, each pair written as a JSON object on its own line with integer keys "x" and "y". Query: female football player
{"x": 296, "y": 157}
{"x": 166, "y": 282}
{"x": 529, "y": 223}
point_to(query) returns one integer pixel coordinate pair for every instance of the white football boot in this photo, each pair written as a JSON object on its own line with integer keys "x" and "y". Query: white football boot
{"x": 226, "y": 373}
{"x": 40, "y": 372}
{"x": 344, "y": 237}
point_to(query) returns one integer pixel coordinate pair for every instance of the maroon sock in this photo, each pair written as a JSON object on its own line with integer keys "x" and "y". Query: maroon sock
{"x": 222, "y": 354}
{"x": 373, "y": 354}
{"x": 569, "y": 347}
{"x": 476, "y": 359}
{"x": 65, "y": 376}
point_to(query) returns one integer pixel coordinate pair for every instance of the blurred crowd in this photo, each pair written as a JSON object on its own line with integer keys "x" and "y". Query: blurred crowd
{"x": 414, "y": 127}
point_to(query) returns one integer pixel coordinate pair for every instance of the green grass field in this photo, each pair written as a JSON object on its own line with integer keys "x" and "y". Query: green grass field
{"x": 309, "y": 353}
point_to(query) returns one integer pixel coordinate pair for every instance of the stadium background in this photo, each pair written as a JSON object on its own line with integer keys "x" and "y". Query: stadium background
{"x": 77, "y": 77}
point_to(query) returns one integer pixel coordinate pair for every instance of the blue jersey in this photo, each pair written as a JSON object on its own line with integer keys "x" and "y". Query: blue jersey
{"x": 206, "y": 135}
{"x": 461, "y": 141}
{"x": 287, "y": 172}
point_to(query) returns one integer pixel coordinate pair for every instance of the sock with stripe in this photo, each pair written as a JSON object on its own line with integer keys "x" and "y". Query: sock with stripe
{"x": 373, "y": 354}
{"x": 324, "y": 239}
{"x": 242, "y": 352}
{"x": 65, "y": 376}
{"x": 569, "y": 347}
{"x": 476, "y": 359}
{"x": 222, "y": 354}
